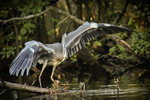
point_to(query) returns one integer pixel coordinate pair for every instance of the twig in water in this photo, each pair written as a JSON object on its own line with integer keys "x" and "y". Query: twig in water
{"x": 118, "y": 88}
{"x": 82, "y": 86}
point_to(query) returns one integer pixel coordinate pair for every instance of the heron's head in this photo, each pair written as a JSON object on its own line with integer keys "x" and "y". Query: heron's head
{"x": 64, "y": 37}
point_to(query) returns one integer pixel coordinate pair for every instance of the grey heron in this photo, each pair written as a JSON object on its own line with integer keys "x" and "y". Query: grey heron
{"x": 54, "y": 54}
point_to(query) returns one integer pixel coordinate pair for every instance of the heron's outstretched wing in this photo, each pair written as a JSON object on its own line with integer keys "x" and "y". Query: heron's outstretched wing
{"x": 25, "y": 58}
{"x": 88, "y": 31}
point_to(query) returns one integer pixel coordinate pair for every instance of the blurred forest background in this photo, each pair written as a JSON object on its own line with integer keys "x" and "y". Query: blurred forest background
{"x": 101, "y": 60}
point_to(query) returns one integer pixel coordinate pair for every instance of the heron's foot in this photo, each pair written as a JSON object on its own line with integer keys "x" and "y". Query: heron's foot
{"x": 56, "y": 83}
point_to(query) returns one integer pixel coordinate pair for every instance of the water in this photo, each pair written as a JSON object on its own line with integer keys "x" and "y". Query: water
{"x": 99, "y": 92}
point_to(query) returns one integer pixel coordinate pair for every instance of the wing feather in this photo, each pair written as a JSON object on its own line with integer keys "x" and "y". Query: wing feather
{"x": 21, "y": 61}
{"x": 25, "y": 62}
{"x": 77, "y": 39}
{"x": 16, "y": 64}
{"x": 27, "y": 56}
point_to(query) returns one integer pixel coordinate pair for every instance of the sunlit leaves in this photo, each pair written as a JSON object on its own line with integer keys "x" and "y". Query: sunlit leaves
{"x": 27, "y": 27}
{"x": 19, "y": 37}
{"x": 74, "y": 57}
{"x": 130, "y": 21}
{"x": 93, "y": 54}
{"x": 23, "y": 31}
{"x": 111, "y": 50}
{"x": 122, "y": 35}
{"x": 141, "y": 44}
{"x": 24, "y": 28}
{"x": 4, "y": 13}
{"x": 52, "y": 31}
{"x": 35, "y": 5}
{"x": 7, "y": 51}
{"x": 118, "y": 50}
{"x": 121, "y": 48}
{"x": 96, "y": 44}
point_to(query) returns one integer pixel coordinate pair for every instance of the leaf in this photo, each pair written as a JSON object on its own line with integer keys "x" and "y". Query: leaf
{"x": 19, "y": 37}
{"x": 122, "y": 55}
{"x": 121, "y": 48}
{"x": 88, "y": 43}
{"x": 7, "y": 51}
{"x": 51, "y": 32}
{"x": 130, "y": 21}
{"x": 23, "y": 31}
{"x": 97, "y": 43}
{"x": 112, "y": 49}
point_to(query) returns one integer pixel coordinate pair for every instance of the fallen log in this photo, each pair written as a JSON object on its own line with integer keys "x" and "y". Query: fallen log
{"x": 26, "y": 88}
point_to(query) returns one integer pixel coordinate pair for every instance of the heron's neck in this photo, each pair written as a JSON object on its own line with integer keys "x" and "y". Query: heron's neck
{"x": 64, "y": 50}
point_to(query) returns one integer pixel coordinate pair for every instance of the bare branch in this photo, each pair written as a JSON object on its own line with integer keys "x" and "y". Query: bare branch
{"x": 25, "y": 17}
{"x": 19, "y": 87}
{"x": 41, "y": 13}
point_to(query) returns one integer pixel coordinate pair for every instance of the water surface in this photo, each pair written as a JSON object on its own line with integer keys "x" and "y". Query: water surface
{"x": 99, "y": 92}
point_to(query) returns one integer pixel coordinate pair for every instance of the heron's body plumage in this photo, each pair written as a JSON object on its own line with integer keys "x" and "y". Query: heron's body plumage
{"x": 53, "y": 59}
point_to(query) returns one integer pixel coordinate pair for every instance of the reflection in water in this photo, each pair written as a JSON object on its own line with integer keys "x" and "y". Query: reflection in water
{"x": 101, "y": 92}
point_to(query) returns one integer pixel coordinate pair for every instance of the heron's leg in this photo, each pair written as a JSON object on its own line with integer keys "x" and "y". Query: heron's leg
{"x": 54, "y": 67}
{"x": 35, "y": 75}
{"x": 43, "y": 67}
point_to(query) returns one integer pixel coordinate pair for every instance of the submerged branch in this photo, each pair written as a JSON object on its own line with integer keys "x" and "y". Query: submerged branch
{"x": 20, "y": 87}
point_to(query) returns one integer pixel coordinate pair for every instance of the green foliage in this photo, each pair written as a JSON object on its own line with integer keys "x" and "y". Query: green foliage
{"x": 7, "y": 51}
{"x": 88, "y": 43}
{"x": 28, "y": 26}
{"x": 118, "y": 50}
{"x": 112, "y": 49}
{"x": 93, "y": 54}
{"x": 141, "y": 43}
{"x": 24, "y": 27}
{"x": 25, "y": 30}
{"x": 35, "y": 5}
{"x": 74, "y": 57}
{"x": 97, "y": 43}
{"x": 122, "y": 35}
{"x": 52, "y": 31}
